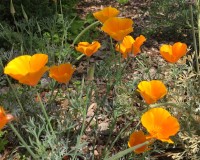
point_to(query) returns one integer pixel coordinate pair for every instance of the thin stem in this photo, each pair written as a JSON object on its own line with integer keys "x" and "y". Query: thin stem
{"x": 78, "y": 58}
{"x": 22, "y": 141}
{"x": 83, "y": 123}
{"x": 45, "y": 113}
{"x": 83, "y": 31}
{"x": 122, "y": 153}
{"x": 15, "y": 94}
{"x": 112, "y": 144}
{"x": 112, "y": 48}
{"x": 52, "y": 91}
{"x": 61, "y": 11}
{"x": 15, "y": 23}
{"x": 197, "y": 55}
{"x": 194, "y": 37}
{"x": 140, "y": 62}
{"x": 81, "y": 133}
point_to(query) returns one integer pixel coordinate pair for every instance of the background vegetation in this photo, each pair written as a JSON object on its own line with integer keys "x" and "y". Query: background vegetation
{"x": 94, "y": 118}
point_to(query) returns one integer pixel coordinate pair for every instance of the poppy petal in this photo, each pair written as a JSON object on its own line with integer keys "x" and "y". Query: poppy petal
{"x": 27, "y": 69}
{"x": 62, "y": 73}
{"x": 18, "y": 67}
{"x": 152, "y": 91}
{"x": 136, "y": 138}
{"x": 87, "y": 48}
{"x": 38, "y": 61}
{"x": 118, "y": 28}
{"x": 173, "y": 53}
{"x": 137, "y": 44}
{"x": 160, "y": 124}
{"x": 4, "y": 118}
{"x": 106, "y": 13}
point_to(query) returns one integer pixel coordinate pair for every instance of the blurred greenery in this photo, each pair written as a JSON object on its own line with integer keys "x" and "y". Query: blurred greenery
{"x": 3, "y": 141}
{"x": 168, "y": 19}
{"x": 36, "y": 8}
{"x": 50, "y": 26}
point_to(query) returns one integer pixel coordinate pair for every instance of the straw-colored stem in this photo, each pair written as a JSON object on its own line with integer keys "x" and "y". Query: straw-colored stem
{"x": 194, "y": 37}
{"x": 22, "y": 141}
{"x": 198, "y": 55}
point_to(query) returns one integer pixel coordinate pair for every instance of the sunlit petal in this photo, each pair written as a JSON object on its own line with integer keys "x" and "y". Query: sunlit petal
{"x": 87, "y": 48}
{"x": 173, "y": 53}
{"x": 152, "y": 91}
{"x": 106, "y": 13}
{"x": 160, "y": 124}
{"x": 4, "y": 118}
{"x": 136, "y": 138}
{"x": 27, "y": 69}
{"x": 118, "y": 28}
{"x": 62, "y": 73}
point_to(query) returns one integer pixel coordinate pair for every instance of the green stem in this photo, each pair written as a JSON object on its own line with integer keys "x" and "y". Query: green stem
{"x": 194, "y": 37}
{"x": 112, "y": 48}
{"x": 52, "y": 91}
{"x": 22, "y": 141}
{"x": 45, "y": 114}
{"x": 83, "y": 125}
{"x": 119, "y": 134}
{"x": 122, "y": 153}
{"x": 140, "y": 62}
{"x": 15, "y": 23}
{"x": 61, "y": 11}
{"x": 83, "y": 31}
{"x": 78, "y": 58}
{"x": 15, "y": 94}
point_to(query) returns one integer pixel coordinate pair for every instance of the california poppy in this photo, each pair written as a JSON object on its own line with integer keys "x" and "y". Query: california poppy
{"x": 152, "y": 91}
{"x": 4, "y": 118}
{"x": 87, "y": 48}
{"x": 136, "y": 138}
{"x": 61, "y": 73}
{"x": 27, "y": 69}
{"x": 129, "y": 45}
{"x": 160, "y": 124}
{"x": 118, "y": 28}
{"x": 106, "y": 13}
{"x": 173, "y": 53}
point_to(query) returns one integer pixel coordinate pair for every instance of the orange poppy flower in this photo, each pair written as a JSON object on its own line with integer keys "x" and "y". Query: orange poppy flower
{"x": 27, "y": 69}
{"x": 61, "y": 73}
{"x": 136, "y": 138}
{"x": 129, "y": 45}
{"x": 118, "y": 28}
{"x": 152, "y": 91}
{"x": 106, "y": 13}
{"x": 160, "y": 124}
{"x": 87, "y": 48}
{"x": 4, "y": 118}
{"x": 173, "y": 53}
